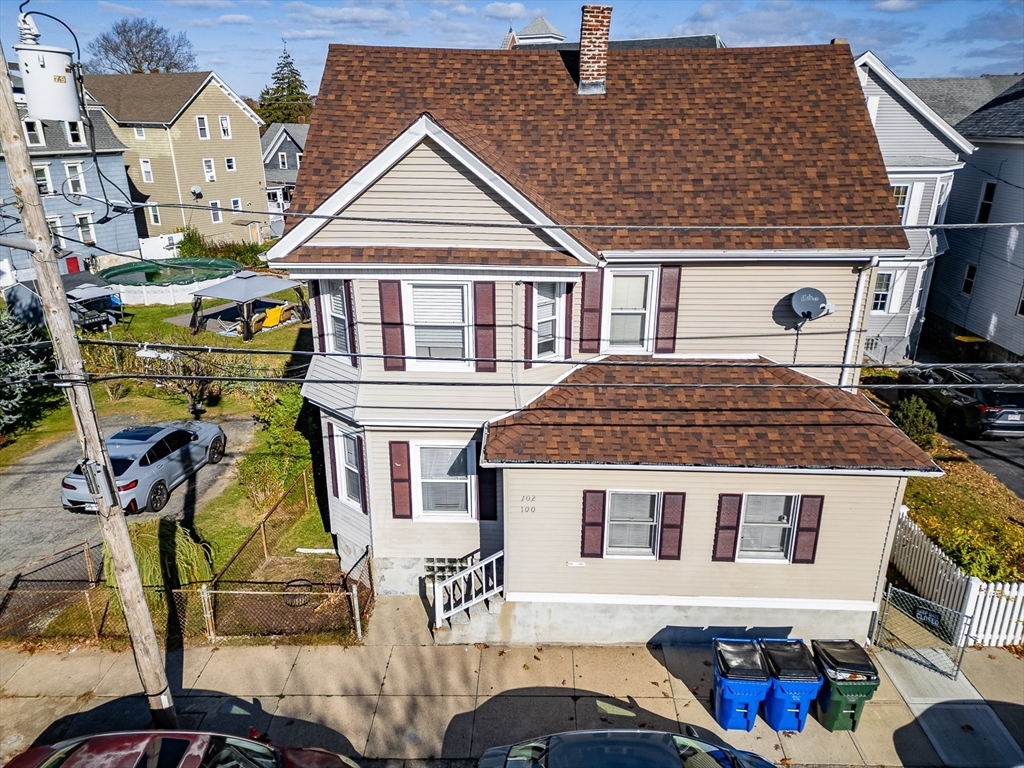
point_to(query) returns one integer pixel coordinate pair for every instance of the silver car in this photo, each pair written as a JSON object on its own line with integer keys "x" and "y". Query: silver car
{"x": 149, "y": 462}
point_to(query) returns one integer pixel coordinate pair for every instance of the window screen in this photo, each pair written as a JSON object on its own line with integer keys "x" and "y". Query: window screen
{"x": 632, "y": 523}
{"x": 439, "y": 317}
{"x": 628, "y": 311}
{"x": 883, "y": 287}
{"x": 767, "y": 525}
{"x": 339, "y": 317}
{"x": 444, "y": 479}
{"x": 351, "y": 456}
{"x": 547, "y": 318}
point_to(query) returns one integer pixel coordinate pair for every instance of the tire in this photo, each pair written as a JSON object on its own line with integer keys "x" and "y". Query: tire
{"x": 158, "y": 496}
{"x": 958, "y": 425}
{"x": 216, "y": 452}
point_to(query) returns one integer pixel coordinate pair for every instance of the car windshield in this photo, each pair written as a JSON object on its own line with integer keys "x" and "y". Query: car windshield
{"x": 120, "y": 464}
{"x": 225, "y": 752}
{"x": 59, "y": 757}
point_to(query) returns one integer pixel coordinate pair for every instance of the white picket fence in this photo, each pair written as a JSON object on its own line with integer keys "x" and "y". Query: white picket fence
{"x": 996, "y": 608}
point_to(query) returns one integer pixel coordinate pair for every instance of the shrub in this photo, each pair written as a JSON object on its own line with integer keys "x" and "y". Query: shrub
{"x": 168, "y": 555}
{"x": 280, "y": 450}
{"x": 916, "y": 420}
{"x": 192, "y": 245}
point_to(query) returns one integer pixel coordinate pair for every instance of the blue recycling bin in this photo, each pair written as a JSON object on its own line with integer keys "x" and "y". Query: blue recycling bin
{"x": 741, "y": 683}
{"x": 795, "y": 682}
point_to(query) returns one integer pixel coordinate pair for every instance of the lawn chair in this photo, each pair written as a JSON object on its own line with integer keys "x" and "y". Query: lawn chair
{"x": 258, "y": 321}
{"x": 273, "y": 316}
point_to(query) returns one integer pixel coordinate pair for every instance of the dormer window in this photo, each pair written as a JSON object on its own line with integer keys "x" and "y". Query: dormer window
{"x": 34, "y": 133}
{"x": 628, "y": 312}
{"x": 76, "y": 133}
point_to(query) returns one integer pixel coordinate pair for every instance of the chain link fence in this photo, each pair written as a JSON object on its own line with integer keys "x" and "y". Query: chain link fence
{"x": 922, "y": 631}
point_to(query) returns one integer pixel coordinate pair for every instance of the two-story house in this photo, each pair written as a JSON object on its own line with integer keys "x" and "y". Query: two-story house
{"x": 921, "y": 152}
{"x": 76, "y": 200}
{"x": 978, "y": 295}
{"x": 553, "y": 300}
{"x": 283, "y": 145}
{"x": 191, "y": 141}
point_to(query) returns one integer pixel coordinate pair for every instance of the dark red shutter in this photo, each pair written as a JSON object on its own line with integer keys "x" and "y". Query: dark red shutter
{"x": 727, "y": 529}
{"x": 350, "y": 318}
{"x": 808, "y": 523}
{"x": 592, "y": 544}
{"x": 671, "y": 538}
{"x": 487, "y": 489}
{"x": 364, "y": 499}
{"x": 568, "y": 321}
{"x": 392, "y": 326}
{"x": 483, "y": 326}
{"x": 314, "y": 298}
{"x": 590, "y": 320}
{"x": 332, "y": 452}
{"x": 401, "y": 481}
{"x": 668, "y": 308}
{"x": 528, "y": 328}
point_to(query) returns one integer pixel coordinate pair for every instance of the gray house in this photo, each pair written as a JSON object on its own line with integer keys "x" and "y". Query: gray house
{"x": 921, "y": 151}
{"x": 282, "y": 146}
{"x": 978, "y": 294}
{"x": 73, "y": 196}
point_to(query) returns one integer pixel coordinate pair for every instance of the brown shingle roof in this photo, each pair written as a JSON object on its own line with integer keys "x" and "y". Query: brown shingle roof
{"x": 145, "y": 98}
{"x": 772, "y": 427}
{"x": 743, "y": 136}
{"x": 312, "y": 254}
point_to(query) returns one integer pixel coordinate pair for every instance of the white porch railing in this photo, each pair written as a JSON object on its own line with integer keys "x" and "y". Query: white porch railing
{"x": 996, "y": 608}
{"x": 469, "y": 587}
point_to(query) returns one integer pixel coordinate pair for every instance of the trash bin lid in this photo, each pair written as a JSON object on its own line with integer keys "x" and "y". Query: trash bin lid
{"x": 790, "y": 660}
{"x": 844, "y": 657}
{"x": 740, "y": 660}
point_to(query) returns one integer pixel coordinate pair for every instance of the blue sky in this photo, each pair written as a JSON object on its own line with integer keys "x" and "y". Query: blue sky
{"x": 241, "y": 39}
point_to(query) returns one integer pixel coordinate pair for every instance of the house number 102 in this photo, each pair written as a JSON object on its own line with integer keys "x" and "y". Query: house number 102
{"x": 528, "y": 509}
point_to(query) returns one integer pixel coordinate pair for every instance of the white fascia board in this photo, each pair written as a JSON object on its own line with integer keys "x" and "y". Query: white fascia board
{"x": 237, "y": 100}
{"x": 921, "y": 171}
{"x": 422, "y": 129}
{"x": 511, "y": 465}
{"x": 890, "y": 79}
{"x": 904, "y": 263}
{"x": 380, "y": 272}
{"x": 274, "y": 144}
{"x": 671, "y": 256}
{"x": 422, "y": 423}
{"x": 768, "y": 603}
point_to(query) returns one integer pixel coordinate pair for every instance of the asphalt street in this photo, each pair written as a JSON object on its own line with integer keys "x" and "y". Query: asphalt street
{"x": 1003, "y": 458}
{"x": 33, "y": 524}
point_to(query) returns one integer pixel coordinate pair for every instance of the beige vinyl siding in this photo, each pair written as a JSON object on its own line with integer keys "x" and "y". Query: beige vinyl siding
{"x": 156, "y": 147}
{"x": 730, "y": 309}
{"x": 539, "y": 545}
{"x": 419, "y": 538}
{"x": 430, "y": 185}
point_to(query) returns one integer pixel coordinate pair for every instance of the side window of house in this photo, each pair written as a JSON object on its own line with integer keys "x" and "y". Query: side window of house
{"x": 440, "y": 322}
{"x": 767, "y": 527}
{"x": 882, "y": 293}
{"x": 628, "y": 310}
{"x": 635, "y": 523}
{"x": 970, "y": 275}
{"x": 34, "y": 133}
{"x": 282, "y": 160}
{"x": 346, "y": 465}
{"x": 42, "y": 176}
{"x": 339, "y": 317}
{"x": 445, "y": 480}
{"x": 147, "y": 170}
{"x": 298, "y": 160}
{"x": 215, "y": 212}
{"x": 988, "y": 196}
{"x": 202, "y": 127}
{"x": 225, "y": 126}
{"x": 350, "y": 458}
{"x": 54, "y": 226}
{"x": 154, "y": 214}
{"x": 632, "y": 523}
{"x": 76, "y": 133}
{"x": 229, "y": 164}
{"x": 140, "y": 133}
{"x": 76, "y": 180}
{"x": 208, "y": 170}
{"x": 901, "y": 196}
{"x": 549, "y": 319}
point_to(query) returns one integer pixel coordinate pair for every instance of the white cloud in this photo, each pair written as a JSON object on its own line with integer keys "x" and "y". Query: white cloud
{"x": 124, "y": 10}
{"x": 257, "y": 3}
{"x": 220, "y": 21}
{"x": 504, "y": 11}
{"x": 309, "y": 34}
{"x": 896, "y": 6}
{"x": 384, "y": 18}
{"x": 210, "y": 5}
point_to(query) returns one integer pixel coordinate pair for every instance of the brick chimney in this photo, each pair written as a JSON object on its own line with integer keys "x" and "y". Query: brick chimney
{"x": 597, "y": 20}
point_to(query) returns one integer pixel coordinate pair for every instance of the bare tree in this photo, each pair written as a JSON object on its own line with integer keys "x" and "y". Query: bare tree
{"x": 140, "y": 45}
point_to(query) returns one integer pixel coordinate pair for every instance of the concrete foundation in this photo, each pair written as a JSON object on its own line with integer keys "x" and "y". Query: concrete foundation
{"x": 398, "y": 575}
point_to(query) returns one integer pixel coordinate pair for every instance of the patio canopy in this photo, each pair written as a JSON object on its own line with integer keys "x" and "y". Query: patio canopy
{"x": 245, "y": 287}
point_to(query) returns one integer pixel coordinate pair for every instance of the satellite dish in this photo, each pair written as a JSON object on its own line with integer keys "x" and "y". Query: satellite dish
{"x": 196, "y": 191}
{"x": 810, "y": 303}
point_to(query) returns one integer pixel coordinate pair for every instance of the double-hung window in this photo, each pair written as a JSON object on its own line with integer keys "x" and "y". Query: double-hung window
{"x": 147, "y": 170}
{"x": 215, "y": 209}
{"x": 34, "y": 133}
{"x": 76, "y": 133}
{"x": 350, "y": 458}
{"x": 202, "y": 127}
{"x": 882, "y": 293}
{"x": 970, "y": 275}
{"x": 225, "y": 126}
{"x": 42, "y": 176}
{"x": 988, "y": 196}
{"x": 632, "y": 523}
{"x": 83, "y": 226}
{"x": 549, "y": 319}
{"x": 440, "y": 324}
{"x": 208, "y": 169}
{"x": 282, "y": 160}
{"x": 298, "y": 160}
{"x": 76, "y": 180}
{"x": 339, "y": 318}
{"x": 53, "y": 224}
{"x": 901, "y": 196}
{"x": 154, "y": 214}
{"x": 445, "y": 478}
{"x": 236, "y": 203}
{"x": 766, "y": 528}
{"x": 628, "y": 310}
{"x": 229, "y": 164}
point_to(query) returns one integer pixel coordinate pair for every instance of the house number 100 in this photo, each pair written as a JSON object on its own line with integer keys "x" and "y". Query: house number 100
{"x": 527, "y": 509}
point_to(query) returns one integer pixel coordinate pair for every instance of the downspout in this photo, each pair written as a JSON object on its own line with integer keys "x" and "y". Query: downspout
{"x": 851, "y": 337}
{"x": 177, "y": 181}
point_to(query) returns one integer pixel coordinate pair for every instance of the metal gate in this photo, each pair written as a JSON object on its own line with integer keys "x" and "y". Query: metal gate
{"x": 924, "y": 632}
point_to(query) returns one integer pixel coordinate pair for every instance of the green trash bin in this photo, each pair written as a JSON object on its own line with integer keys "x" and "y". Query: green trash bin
{"x": 850, "y": 681}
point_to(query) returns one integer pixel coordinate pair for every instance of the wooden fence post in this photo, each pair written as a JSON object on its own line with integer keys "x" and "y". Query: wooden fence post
{"x": 263, "y": 535}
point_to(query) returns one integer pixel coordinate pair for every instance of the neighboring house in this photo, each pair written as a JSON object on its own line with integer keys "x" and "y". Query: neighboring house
{"x": 282, "y": 155}
{"x": 977, "y": 303}
{"x": 542, "y": 343}
{"x": 538, "y": 31}
{"x": 187, "y": 131}
{"x": 73, "y": 196}
{"x": 921, "y": 152}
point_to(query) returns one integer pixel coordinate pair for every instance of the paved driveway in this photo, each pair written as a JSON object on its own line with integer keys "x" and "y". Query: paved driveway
{"x": 1003, "y": 458}
{"x": 34, "y": 525}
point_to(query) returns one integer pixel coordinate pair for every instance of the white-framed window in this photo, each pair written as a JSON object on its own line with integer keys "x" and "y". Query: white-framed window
{"x": 338, "y": 310}
{"x": 548, "y": 321}
{"x": 882, "y": 294}
{"x": 75, "y": 132}
{"x": 632, "y": 524}
{"x": 628, "y": 315}
{"x": 236, "y": 203}
{"x": 75, "y": 177}
{"x": 351, "y": 486}
{"x": 84, "y": 228}
{"x": 56, "y": 233}
{"x": 901, "y": 196}
{"x": 215, "y": 210}
{"x": 298, "y": 160}
{"x": 438, "y": 325}
{"x": 766, "y": 526}
{"x": 444, "y": 480}
{"x": 140, "y": 133}
{"x": 154, "y": 214}
{"x": 970, "y": 275}
{"x": 225, "y": 126}
{"x": 202, "y": 127}
{"x": 147, "y": 170}
{"x": 42, "y": 176}
{"x": 208, "y": 170}
{"x": 988, "y": 196}
{"x": 282, "y": 160}
{"x": 229, "y": 164}
{"x": 34, "y": 136}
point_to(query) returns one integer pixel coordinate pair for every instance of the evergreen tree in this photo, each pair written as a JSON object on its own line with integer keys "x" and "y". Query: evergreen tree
{"x": 285, "y": 100}
{"x": 17, "y": 364}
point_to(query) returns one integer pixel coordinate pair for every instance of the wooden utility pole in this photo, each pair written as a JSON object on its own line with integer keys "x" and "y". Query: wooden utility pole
{"x": 57, "y": 314}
